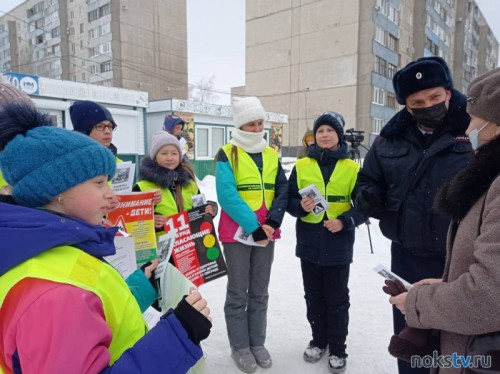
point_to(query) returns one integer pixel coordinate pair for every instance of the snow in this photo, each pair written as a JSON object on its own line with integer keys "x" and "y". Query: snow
{"x": 288, "y": 332}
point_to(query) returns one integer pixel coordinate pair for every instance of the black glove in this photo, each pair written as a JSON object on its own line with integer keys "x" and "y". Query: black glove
{"x": 196, "y": 324}
{"x": 410, "y": 341}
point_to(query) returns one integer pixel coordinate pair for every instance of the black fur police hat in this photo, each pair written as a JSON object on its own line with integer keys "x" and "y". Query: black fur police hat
{"x": 424, "y": 73}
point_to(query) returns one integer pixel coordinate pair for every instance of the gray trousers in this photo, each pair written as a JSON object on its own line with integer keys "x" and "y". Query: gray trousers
{"x": 248, "y": 274}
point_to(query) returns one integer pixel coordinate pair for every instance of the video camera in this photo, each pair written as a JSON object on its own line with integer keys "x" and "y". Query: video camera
{"x": 355, "y": 137}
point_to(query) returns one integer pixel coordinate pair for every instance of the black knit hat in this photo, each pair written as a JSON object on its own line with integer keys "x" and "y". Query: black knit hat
{"x": 424, "y": 73}
{"x": 86, "y": 114}
{"x": 484, "y": 96}
{"x": 332, "y": 119}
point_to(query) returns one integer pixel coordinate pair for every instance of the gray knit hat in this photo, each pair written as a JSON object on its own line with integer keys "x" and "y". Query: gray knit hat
{"x": 484, "y": 96}
{"x": 11, "y": 94}
{"x": 161, "y": 138}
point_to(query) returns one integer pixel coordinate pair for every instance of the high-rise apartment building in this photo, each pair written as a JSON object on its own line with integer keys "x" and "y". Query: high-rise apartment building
{"x": 130, "y": 44}
{"x": 307, "y": 57}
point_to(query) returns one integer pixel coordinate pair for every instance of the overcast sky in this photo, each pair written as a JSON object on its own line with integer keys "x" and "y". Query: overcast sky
{"x": 216, "y": 39}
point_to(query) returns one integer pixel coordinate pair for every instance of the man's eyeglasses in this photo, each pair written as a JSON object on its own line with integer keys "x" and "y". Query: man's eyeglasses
{"x": 102, "y": 127}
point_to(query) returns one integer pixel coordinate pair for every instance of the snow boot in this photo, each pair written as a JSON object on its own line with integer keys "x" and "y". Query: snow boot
{"x": 313, "y": 353}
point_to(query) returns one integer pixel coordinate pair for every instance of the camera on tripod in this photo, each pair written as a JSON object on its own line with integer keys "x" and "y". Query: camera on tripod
{"x": 354, "y": 137}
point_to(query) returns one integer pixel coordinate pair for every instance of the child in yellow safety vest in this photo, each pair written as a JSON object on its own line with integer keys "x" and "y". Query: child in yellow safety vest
{"x": 165, "y": 170}
{"x": 62, "y": 308}
{"x": 252, "y": 191}
{"x": 325, "y": 237}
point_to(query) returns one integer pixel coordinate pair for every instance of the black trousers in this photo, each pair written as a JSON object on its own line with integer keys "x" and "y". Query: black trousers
{"x": 327, "y": 302}
{"x": 412, "y": 269}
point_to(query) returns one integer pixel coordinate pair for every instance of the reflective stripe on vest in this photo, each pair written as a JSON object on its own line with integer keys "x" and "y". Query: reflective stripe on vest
{"x": 249, "y": 181}
{"x": 167, "y": 206}
{"x": 69, "y": 265}
{"x": 338, "y": 189}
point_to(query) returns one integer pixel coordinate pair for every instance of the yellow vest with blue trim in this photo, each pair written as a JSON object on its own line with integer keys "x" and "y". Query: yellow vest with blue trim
{"x": 167, "y": 206}
{"x": 254, "y": 187}
{"x": 337, "y": 191}
{"x": 69, "y": 265}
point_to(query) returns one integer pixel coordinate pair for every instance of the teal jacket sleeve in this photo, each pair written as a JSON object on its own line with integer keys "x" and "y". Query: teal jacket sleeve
{"x": 228, "y": 197}
{"x": 142, "y": 289}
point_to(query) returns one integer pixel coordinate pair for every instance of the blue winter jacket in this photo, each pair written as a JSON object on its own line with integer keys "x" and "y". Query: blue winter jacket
{"x": 402, "y": 173}
{"x": 314, "y": 242}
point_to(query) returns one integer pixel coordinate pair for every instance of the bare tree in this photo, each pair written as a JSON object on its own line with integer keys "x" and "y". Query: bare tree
{"x": 204, "y": 91}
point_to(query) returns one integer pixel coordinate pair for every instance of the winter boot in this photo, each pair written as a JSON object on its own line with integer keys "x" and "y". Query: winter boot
{"x": 313, "y": 353}
{"x": 336, "y": 364}
{"x": 262, "y": 356}
{"x": 244, "y": 359}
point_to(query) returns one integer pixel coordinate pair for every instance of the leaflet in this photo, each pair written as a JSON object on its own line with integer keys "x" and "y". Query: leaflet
{"x": 389, "y": 275}
{"x": 312, "y": 192}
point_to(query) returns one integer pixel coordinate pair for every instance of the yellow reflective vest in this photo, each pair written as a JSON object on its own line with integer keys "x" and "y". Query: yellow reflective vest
{"x": 167, "y": 206}
{"x": 69, "y": 265}
{"x": 337, "y": 191}
{"x": 254, "y": 187}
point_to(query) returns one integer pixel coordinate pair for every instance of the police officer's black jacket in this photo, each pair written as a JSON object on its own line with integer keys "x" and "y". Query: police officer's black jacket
{"x": 403, "y": 171}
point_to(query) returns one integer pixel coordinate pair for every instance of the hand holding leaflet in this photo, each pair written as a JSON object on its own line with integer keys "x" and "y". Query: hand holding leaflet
{"x": 389, "y": 275}
{"x": 242, "y": 237}
{"x": 312, "y": 192}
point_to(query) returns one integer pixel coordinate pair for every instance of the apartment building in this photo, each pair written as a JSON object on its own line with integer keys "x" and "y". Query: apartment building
{"x": 139, "y": 45}
{"x": 304, "y": 57}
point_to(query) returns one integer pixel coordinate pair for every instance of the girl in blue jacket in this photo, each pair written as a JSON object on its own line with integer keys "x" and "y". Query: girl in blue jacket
{"x": 62, "y": 307}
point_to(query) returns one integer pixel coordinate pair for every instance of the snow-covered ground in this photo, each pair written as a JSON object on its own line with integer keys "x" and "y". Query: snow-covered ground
{"x": 288, "y": 332}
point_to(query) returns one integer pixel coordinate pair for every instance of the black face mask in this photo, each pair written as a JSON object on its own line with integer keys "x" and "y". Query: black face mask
{"x": 431, "y": 116}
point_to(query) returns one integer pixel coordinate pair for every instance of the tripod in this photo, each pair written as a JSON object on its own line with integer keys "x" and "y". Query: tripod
{"x": 354, "y": 153}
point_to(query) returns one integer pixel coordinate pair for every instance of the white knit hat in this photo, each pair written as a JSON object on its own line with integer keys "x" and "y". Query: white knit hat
{"x": 247, "y": 109}
{"x": 161, "y": 138}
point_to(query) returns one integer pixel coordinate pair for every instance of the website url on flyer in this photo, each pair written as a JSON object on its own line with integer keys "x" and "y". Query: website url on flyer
{"x": 450, "y": 361}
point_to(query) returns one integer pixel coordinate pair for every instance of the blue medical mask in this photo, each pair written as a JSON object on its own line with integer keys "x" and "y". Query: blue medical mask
{"x": 474, "y": 137}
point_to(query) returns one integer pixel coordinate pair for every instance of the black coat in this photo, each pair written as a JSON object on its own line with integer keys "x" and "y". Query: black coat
{"x": 402, "y": 173}
{"x": 314, "y": 242}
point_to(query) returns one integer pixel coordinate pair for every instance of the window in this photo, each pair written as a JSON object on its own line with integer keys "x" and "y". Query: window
{"x": 380, "y": 35}
{"x": 83, "y": 77}
{"x": 391, "y": 100}
{"x": 105, "y": 47}
{"x": 105, "y": 29}
{"x": 93, "y": 52}
{"x": 378, "y": 96}
{"x": 391, "y": 70}
{"x": 93, "y": 33}
{"x": 55, "y": 32}
{"x": 208, "y": 140}
{"x": 93, "y": 15}
{"x": 82, "y": 28}
{"x": 377, "y": 124}
{"x": 392, "y": 43}
{"x": 106, "y": 66}
{"x": 39, "y": 23}
{"x": 104, "y": 10}
{"x": 94, "y": 69}
{"x": 380, "y": 66}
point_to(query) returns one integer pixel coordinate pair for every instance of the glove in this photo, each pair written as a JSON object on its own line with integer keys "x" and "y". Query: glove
{"x": 410, "y": 341}
{"x": 196, "y": 324}
{"x": 394, "y": 287}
